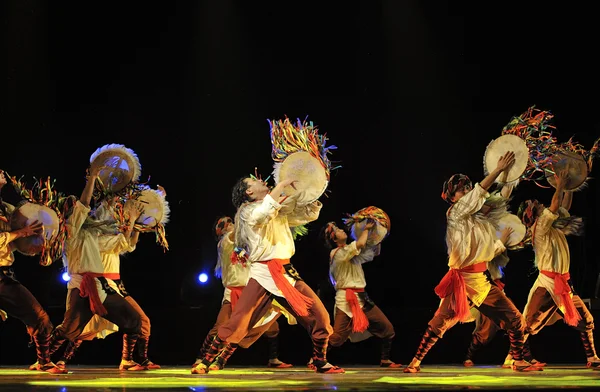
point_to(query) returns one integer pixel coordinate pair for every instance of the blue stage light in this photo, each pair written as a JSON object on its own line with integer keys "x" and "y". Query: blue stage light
{"x": 202, "y": 278}
{"x": 66, "y": 277}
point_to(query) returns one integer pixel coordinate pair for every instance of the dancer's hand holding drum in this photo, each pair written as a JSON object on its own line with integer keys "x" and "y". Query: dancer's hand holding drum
{"x": 506, "y": 161}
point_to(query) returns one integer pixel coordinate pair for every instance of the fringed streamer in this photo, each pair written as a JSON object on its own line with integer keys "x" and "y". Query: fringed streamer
{"x": 298, "y": 231}
{"x": 533, "y": 126}
{"x": 42, "y": 192}
{"x": 287, "y": 138}
{"x": 370, "y": 212}
{"x": 133, "y": 191}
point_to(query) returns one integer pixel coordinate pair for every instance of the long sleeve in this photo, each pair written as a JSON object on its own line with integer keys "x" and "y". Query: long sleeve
{"x": 264, "y": 212}
{"x": 77, "y": 218}
{"x": 544, "y": 222}
{"x": 114, "y": 243}
{"x": 469, "y": 204}
{"x": 301, "y": 215}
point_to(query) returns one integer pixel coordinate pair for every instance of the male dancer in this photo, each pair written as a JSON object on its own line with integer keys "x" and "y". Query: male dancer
{"x": 472, "y": 243}
{"x": 15, "y": 299}
{"x": 355, "y": 312}
{"x": 89, "y": 291}
{"x": 485, "y": 329}
{"x": 111, "y": 247}
{"x": 234, "y": 277}
{"x": 262, "y": 231}
{"x": 552, "y": 293}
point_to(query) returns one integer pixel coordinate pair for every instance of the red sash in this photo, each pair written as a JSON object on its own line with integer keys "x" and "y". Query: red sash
{"x": 360, "y": 322}
{"x": 298, "y": 301}
{"x": 88, "y": 289}
{"x": 236, "y": 291}
{"x": 562, "y": 289}
{"x": 453, "y": 285}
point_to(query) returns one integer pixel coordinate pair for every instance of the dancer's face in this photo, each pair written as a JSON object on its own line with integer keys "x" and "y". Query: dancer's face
{"x": 257, "y": 189}
{"x": 460, "y": 193}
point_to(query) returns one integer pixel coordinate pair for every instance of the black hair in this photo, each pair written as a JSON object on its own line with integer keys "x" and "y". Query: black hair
{"x": 326, "y": 237}
{"x": 238, "y": 193}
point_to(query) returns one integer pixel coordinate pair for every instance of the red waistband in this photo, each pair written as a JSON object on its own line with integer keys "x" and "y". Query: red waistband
{"x": 282, "y": 261}
{"x": 477, "y": 267}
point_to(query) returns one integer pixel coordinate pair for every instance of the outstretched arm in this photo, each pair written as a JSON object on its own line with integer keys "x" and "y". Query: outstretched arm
{"x": 364, "y": 236}
{"x": 567, "y": 200}
{"x": 88, "y": 190}
{"x": 507, "y": 189}
{"x": 561, "y": 179}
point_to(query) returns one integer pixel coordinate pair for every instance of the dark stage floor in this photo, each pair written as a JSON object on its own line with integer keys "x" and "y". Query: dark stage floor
{"x": 432, "y": 377}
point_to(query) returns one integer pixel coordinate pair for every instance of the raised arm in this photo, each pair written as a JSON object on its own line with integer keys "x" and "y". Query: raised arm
{"x": 88, "y": 190}
{"x": 561, "y": 179}
{"x": 567, "y": 200}
{"x": 504, "y": 163}
{"x": 361, "y": 242}
{"x": 507, "y": 189}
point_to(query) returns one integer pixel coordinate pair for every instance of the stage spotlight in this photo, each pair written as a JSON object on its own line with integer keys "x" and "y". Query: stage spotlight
{"x": 202, "y": 278}
{"x": 66, "y": 277}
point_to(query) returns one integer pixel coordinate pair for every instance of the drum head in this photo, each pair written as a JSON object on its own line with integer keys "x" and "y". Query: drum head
{"x": 519, "y": 229}
{"x": 119, "y": 166}
{"x": 156, "y": 209}
{"x": 575, "y": 165}
{"x": 308, "y": 171}
{"x": 500, "y": 146}
{"x": 24, "y": 215}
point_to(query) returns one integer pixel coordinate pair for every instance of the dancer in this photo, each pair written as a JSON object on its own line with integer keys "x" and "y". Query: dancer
{"x": 552, "y": 294}
{"x": 234, "y": 277}
{"x": 111, "y": 247}
{"x": 262, "y": 232}
{"x": 15, "y": 299}
{"x": 485, "y": 329}
{"x": 354, "y": 311}
{"x": 472, "y": 243}
{"x": 89, "y": 289}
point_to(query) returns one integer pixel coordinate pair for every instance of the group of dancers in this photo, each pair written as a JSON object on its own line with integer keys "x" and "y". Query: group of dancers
{"x": 260, "y": 283}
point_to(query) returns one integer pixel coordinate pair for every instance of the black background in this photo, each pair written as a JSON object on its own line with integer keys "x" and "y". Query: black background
{"x": 409, "y": 91}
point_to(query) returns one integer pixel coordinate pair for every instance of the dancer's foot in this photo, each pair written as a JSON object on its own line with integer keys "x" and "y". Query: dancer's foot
{"x": 277, "y": 364}
{"x": 51, "y": 368}
{"x": 311, "y": 365}
{"x": 215, "y": 366}
{"x": 327, "y": 368}
{"x": 131, "y": 366}
{"x": 524, "y": 366}
{"x": 537, "y": 363}
{"x": 148, "y": 364}
{"x": 389, "y": 364}
{"x": 468, "y": 363}
{"x": 201, "y": 368}
{"x": 593, "y": 363}
{"x": 508, "y": 362}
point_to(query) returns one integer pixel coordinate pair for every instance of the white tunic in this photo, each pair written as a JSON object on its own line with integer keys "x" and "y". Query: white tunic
{"x": 471, "y": 239}
{"x": 111, "y": 247}
{"x": 551, "y": 252}
{"x": 346, "y": 271}
{"x": 81, "y": 251}
{"x": 265, "y": 227}
{"x": 232, "y": 275}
